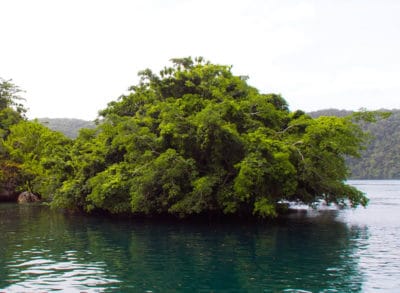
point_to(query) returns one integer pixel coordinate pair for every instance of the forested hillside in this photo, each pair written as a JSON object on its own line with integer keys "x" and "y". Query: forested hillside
{"x": 69, "y": 126}
{"x": 381, "y": 158}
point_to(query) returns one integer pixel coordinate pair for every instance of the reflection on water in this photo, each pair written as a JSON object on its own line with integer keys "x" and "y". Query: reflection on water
{"x": 38, "y": 251}
{"x": 379, "y": 256}
{"x": 330, "y": 251}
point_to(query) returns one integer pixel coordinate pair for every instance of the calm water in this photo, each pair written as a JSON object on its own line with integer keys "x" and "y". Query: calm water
{"x": 328, "y": 251}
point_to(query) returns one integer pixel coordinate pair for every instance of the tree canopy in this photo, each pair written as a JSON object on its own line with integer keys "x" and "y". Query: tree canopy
{"x": 40, "y": 155}
{"x": 11, "y": 112}
{"x": 380, "y": 159}
{"x": 11, "y": 109}
{"x": 33, "y": 157}
{"x": 197, "y": 139}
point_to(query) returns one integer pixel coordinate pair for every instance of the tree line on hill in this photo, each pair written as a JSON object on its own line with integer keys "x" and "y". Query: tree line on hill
{"x": 193, "y": 139}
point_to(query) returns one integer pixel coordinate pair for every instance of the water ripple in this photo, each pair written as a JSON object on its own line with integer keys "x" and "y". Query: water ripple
{"x": 56, "y": 275}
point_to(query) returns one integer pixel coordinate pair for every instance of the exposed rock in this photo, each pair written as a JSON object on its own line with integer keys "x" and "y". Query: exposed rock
{"x": 27, "y": 197}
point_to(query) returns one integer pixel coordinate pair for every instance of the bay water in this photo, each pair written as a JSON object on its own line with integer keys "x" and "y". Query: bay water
{"x": 328, "y": 250}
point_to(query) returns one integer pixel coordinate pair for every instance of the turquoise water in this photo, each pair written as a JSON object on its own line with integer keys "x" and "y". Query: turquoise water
{"x": 327, "y": 251}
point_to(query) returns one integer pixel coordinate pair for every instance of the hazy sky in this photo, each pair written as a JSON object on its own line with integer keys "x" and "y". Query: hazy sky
{"x": 72, "y": 57}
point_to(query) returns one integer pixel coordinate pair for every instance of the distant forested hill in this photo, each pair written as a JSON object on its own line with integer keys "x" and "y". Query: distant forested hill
{"x": 69, "y": 126}
{"x": 381, "y": 160}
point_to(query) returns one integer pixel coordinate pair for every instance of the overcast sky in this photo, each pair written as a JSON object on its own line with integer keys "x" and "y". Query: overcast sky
{"x": 72, "y": 57}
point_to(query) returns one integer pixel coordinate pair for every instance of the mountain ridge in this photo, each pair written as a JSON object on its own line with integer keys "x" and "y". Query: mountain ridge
{"x": 68, "y": 126}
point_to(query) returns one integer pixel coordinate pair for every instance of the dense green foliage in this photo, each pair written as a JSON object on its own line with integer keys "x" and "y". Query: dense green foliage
{"x": 197, "y": 139}
{"x": 380, "y": 159}
{"x": 377, "y": 161}
{"x": 194, "y": 139}
{"x": 11, "y": 109}
{"x": 11, "y": 112}
{"x": 40, "y": 154}
{"x": 32, "y": 156}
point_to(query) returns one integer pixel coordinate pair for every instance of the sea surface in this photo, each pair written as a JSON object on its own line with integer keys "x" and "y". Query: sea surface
{"x": 311, "y": 251}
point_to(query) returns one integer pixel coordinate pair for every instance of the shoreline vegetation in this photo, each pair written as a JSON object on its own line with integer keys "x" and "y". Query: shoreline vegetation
{"x": 192, "y": 140}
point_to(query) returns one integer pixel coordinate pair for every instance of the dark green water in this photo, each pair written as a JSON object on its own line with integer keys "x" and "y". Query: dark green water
{"x": 327, "y": 251}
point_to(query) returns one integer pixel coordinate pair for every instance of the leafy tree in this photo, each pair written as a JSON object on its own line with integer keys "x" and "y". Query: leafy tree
{"x": 11, "y": 109}
{"x": 380, "y": 157}
{"x": 198, "y": 139}
{"x": 11, "y": 112}
{"x": 40, "y": 155}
